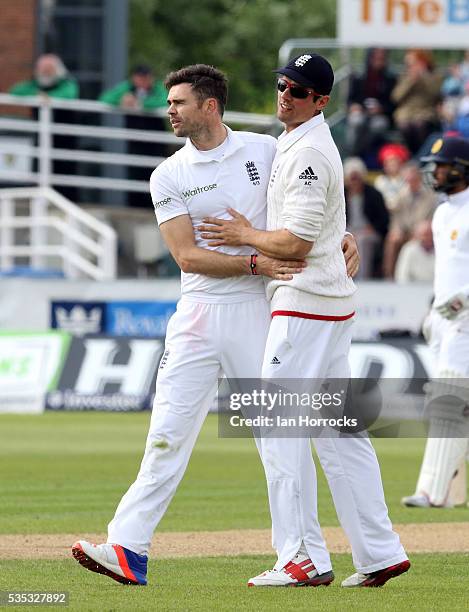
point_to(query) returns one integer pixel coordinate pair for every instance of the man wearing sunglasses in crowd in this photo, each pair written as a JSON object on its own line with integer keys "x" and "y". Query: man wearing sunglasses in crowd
{"x": 309, "y": 340}
{"x": 222, "y": 319}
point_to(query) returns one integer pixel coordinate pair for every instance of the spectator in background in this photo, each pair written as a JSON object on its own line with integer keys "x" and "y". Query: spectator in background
{"x": 142, "y": 92}
{"x": 52, "y": 79}
{"x": 464, "y": 68}
{"x": 391, "y": 157}
{"x": 457, "y": 79}
{"x": 370, "y": 107}
{"x": 416, "y": 96}
{"x": 455, "y": 91}
{"x": 462, "y": 113}
{"x": 416, "y": 261}
{"x": 412, "y": 204}
{"x": 367, "y": 217}
{"x": 454, "y": 115}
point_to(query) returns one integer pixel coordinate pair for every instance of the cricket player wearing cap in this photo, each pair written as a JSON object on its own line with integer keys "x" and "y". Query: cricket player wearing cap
{"x": 309, "y": 339}
{"x": 222, "y": 319}
{"x": 447, "y": 330}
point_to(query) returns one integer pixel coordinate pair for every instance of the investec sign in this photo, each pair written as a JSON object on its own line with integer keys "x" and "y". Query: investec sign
{"x": 404, "y": 23}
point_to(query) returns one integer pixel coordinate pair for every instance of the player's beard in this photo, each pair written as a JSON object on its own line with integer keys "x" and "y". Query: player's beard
{"x": 194, "y": 130}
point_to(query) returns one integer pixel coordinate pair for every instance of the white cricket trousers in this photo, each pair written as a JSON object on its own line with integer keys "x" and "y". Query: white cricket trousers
{"x": 202, "y": 341}
{"x": 312, "y": 349}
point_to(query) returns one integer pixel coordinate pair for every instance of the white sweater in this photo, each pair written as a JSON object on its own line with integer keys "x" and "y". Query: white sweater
{"x": 306, "y": 197}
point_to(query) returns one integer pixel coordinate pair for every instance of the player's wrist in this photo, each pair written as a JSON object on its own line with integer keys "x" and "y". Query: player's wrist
{"x": 263, "y": 265}
{"x": 247, "y": 262}
{"x": 247, "y": 236}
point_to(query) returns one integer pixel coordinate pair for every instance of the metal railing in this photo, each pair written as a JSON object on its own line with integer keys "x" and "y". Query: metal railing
{"x": 43, "y": 129}
{"x": 54, "y": 230}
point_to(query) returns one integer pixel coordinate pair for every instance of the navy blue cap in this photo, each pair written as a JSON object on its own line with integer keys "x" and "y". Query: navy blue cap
{"x": 310, "y": 70}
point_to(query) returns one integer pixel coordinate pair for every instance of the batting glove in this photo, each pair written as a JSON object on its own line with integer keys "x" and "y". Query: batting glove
{"x": 454, "y": 306}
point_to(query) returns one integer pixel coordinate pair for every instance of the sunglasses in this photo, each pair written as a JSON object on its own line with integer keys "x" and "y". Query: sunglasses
{"x": 296, "y": 91}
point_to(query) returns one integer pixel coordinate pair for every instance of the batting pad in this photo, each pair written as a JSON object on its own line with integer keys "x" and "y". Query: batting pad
{"x": 440, "y": 462}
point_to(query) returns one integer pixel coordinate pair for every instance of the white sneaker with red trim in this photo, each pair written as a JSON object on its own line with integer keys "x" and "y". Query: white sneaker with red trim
{"x": 378, "y": 578}
{"x": 113, "y": 560}
{"x": 298, "y": 572}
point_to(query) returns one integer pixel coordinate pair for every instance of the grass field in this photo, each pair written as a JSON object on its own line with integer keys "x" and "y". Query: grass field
{"x": 65, "y": 473}
{"x": 436, "y": 582}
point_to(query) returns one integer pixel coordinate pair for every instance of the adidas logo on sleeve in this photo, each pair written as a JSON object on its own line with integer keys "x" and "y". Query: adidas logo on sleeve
{"x": 308, "y": 175}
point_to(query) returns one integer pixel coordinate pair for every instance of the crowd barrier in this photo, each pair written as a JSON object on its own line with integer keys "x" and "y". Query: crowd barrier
{"x": 79, "y": 345}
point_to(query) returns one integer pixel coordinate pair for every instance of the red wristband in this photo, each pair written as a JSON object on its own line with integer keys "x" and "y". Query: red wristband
{"x": 253, "y": 264}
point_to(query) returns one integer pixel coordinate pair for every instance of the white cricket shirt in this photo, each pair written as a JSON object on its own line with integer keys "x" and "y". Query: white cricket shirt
{"x": 306, "y": 197}
{"x": 207, "y": 183}
{"x": 450, "y": 227}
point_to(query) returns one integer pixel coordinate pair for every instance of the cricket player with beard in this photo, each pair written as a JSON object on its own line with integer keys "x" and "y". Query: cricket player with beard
{"x": 309, "y": 339}
{"x": 222, "y": 319}
{"x": 447, "y": 329}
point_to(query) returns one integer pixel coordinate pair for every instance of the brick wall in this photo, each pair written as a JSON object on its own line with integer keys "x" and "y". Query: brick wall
{"x": 17, "y": 41}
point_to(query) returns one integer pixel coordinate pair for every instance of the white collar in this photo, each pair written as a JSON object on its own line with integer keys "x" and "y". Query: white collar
{"x": 194, "y": 156}
{"x": 459, "y": 198}
{"x": 287, "y": 139}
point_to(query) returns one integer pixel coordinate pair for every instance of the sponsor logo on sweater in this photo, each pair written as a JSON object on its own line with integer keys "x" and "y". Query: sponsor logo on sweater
{"x": 308, "y": 175}
{"x": 162, "y": 202}
{"x": 196, "y": 190}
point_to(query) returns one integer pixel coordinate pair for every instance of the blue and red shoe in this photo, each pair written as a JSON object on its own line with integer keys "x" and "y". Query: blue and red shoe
{"x": 112, "y": 560}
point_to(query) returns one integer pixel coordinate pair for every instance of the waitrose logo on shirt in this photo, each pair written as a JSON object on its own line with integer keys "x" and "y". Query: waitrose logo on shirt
{"x": 162, "y": 202}
{"x": 196, "y": 190}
